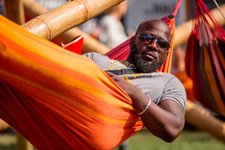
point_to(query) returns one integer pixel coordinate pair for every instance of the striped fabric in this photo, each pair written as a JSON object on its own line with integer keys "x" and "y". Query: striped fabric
{"x": 57, "y": 99}
{"x": 205, "y": 59}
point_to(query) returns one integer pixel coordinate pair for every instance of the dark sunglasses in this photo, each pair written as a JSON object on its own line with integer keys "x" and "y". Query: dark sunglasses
{"x": 144, "y": 38}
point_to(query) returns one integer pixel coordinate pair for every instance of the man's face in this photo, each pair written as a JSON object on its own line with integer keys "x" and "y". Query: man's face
{"x": 150, "y": 47}
{"x": 144, "y": 63}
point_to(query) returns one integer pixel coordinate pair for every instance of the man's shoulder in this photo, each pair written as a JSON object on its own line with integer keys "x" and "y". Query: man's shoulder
{"x": 98, "y": 58}
{"x": 168, "y": 78}
{"x": 172, "y": 77}
{"x": 93, "y": 55}
{"x": 163, "y": 74}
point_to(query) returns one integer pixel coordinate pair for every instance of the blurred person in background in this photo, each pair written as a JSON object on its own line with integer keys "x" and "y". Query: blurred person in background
{"x": 1, "y": 8}
{"x": 92, "y": 26}
{"x": 51, "y": 4}
{"x": 113, "y": 32}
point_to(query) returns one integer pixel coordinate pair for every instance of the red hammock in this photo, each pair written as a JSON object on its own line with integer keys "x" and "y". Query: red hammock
{"x": 57, "y": 99}
{"x": 205, "y": 60}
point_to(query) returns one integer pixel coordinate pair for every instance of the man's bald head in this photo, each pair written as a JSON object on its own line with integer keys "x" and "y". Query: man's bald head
{"x": 155, "y": 24}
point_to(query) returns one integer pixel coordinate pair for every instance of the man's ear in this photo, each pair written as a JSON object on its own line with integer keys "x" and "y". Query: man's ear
{"x": 132, "y": 41}
{"x": 167, "y": 53}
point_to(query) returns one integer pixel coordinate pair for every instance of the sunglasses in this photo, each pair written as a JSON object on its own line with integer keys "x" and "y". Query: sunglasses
{"x": 162, "y": 44}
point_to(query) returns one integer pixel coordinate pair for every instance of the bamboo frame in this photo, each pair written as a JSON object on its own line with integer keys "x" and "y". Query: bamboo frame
{"x": 181, "y": 36}
{"x": 3, "y": 125}
{"x": 67, "y": 16}
{"x": 13, "y": 10}
{"x": 90, "y": 44}
{"x": 23, "y": 144}
{"x": 202, "y": 119}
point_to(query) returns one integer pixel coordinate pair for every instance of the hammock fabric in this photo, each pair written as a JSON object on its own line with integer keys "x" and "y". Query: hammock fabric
{"x": 57, "y": 99}
{"x": 205, "y": 60}
{"x": 60, "y": 100}
{"x": 122, "y": 51}
{"x": 187, "y": 83}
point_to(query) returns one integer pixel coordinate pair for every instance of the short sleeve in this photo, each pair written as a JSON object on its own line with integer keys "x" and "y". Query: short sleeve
{"x": 175, "y": 91}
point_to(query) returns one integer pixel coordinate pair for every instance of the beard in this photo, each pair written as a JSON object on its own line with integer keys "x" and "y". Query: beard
{"x": 143, "y": 65}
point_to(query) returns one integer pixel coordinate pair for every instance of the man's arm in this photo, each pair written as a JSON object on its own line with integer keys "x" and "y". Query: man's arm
{"x": 165, "y": 120}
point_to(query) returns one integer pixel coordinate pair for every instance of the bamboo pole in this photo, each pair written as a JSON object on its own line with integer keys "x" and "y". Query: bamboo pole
{"x": 13, "y": 10}
{"x": 202, "y": 119}
{"x": 67, "y": 16}
{"x": 90, "y": 44}
{"x": 183, "y": 31}
{"x": 23, "y": 144}
{"x": 3, "y": 125}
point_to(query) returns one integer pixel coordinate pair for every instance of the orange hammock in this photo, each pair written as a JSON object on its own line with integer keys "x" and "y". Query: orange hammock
{"x": 57, "y": 99}
{"x": 48, "y": 96}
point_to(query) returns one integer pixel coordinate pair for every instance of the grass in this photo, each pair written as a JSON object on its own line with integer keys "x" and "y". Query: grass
{"x": 188, "y": 140}
{"x": 8, "y": 141}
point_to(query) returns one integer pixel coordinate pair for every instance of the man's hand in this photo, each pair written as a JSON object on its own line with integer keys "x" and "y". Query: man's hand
{"x": 135, "y": 94}
{"x": 131, "y": 90}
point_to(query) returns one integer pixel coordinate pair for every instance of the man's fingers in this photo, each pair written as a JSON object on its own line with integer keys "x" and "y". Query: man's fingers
{"x": 110, "y": 74}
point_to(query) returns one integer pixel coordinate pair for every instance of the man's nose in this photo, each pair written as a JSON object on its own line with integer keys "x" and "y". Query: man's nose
{"x": 153, "y": 45}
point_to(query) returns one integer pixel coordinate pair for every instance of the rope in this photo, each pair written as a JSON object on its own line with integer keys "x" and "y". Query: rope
{"x": 219, "y": 8}
{"x": 176, "y": 7}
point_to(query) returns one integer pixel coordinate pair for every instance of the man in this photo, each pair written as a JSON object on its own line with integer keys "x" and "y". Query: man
{"x": 159, "y": 98}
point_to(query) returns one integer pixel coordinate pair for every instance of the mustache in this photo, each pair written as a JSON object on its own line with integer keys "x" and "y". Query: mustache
{"x": 151, "y": 53}
{"x": 148, "y": 51}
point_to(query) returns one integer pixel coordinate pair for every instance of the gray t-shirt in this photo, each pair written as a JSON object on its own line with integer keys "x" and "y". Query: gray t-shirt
{"x": 158, "y": 86}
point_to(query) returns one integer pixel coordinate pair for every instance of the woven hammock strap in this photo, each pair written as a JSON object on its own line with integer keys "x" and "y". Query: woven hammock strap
{"x": 176, "y": 7}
